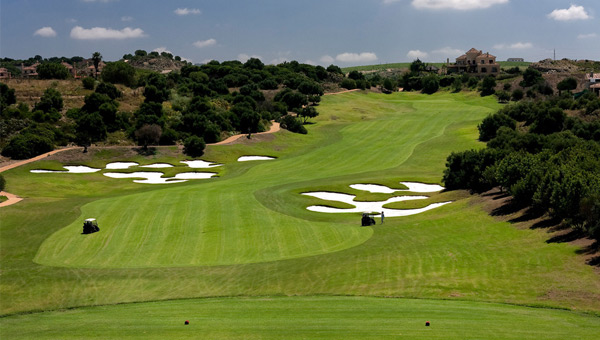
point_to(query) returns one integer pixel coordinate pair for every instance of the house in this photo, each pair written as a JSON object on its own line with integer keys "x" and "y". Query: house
{"x": 70, "y": 68}
{"x": 475, "y": 62}
{"x": 29, "y": 71}
{"x": 519, "y": 60}
{"x": 4, "y": 73}
{"x": 90, "y": 69}
{"x": 593, "y": 82}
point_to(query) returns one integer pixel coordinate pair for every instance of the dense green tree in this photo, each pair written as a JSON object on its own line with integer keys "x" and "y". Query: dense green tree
{"x": 292, "y": 124}
{"x": 90, "y": 128}
{"x": 503, "y": 96}
{"x": 567, "y": 84}
{"x": 52, "y": 71}
{"x": 355, "y": 75}
{"x": 487, "y": 86}
{"x": 548, "y": 121}
{"x": 51, "y": 99}
{"x": 490, "y": 125}
{"x": 308, "y": 112}
{"x": 7, "y": 96}
{"x": 430, "y": 84}
{"x": 27, "y": 145}
{"x": 531, "y": 77}
{"x": 517, "y": 95}
{"x": 109, "y": 89}
{"x": 119, "y": 72}
{"x": 2, "y": 183}
{"x": 348, "y": 84}
{"x": 334, "y": 69}
{"x": 417, "y": 66}
{"x": 194, "y": 146}
{"x": 88, "y": 83}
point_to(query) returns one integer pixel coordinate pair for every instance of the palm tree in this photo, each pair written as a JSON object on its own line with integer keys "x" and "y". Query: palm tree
{"x": 96, "y": 57}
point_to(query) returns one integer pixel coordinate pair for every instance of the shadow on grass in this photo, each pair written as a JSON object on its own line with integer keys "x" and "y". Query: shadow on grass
{"x": 151, "y": 151}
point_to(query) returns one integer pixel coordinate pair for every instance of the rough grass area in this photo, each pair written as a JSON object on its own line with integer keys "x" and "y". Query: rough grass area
{"x": 304, "y": 318}
{"x": 248, "y": 233}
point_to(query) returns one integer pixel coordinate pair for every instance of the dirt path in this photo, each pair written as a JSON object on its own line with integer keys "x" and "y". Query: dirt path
{"x": 346, "y": 91}
{"x": 274, "y": 128}
{"x": 36, "y": 158}
{"x": 12, "y": 199}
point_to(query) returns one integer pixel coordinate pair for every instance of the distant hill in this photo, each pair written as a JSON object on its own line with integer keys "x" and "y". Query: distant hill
{"x": 156, "y": 63}
{"x": 397, "y": 66}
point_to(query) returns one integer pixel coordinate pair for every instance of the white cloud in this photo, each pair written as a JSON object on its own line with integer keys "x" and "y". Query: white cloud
{"x": 126, "y": 18}
{"x": 187, "y": 11}
{"x": 587, "y": 36}
{"x": 310, "y": 62}
{"x": 416, "y": 54}
{"x": 572, "y": 13}
{"x": 326, "y": 59}
{"x": 161, "y": 50}
{"x": 448, "y": 51}
{"x": 97, "y": 33}
{"x": 462, "y": 5}
{"x": 515, "y": 46}
{"x": 356, "y": 57}
{"x": 243, "y": 57}
{"x": 46, "y": 32}
{"x": 205, "y": 43}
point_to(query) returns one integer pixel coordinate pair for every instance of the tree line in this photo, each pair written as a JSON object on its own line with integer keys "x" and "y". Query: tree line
{"x": 546, "y": 160}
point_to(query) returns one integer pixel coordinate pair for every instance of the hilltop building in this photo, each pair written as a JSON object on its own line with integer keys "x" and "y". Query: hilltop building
{"x": 594, "y": 82}
{"x": 4, "y": 73}
{"x": 475, "y": 62}
{"x": 29, "y": 71}
{"x": 519, "y": 60}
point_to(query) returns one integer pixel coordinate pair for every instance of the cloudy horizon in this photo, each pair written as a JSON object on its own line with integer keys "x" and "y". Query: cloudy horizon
{"x": 345, "y": 33}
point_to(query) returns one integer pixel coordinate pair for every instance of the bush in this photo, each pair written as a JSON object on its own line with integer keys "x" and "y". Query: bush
{"x": 517, "y": 95}
{"x": 431, "y": 84}
{"x": 194, "y": 146}
{"x": 52, "y": 71}
{"x": 51, "y": 99}
{"x": 119, "y": 73}
{"x": 88, "y": 83}
{"x": 27, "y": 145}
{"x": 109, "y": 89}
{"x": 292, "y": 124}
{"x": 490, "y": 125}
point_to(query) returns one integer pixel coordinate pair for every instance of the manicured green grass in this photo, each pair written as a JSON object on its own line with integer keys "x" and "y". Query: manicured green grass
{"x": 304, "y": 318}
{"x": 247, "y": 233}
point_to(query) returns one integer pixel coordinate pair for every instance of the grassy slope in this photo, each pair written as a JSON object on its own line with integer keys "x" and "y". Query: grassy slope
{"x": 305, "y": 318}
{"x": 455, "y": 252}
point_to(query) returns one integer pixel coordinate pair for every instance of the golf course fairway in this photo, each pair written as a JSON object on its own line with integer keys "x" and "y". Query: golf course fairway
{"x": 240, "y": 256}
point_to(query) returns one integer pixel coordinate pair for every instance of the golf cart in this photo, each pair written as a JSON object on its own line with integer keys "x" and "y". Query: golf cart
{"x": 90, "y": 226}
{"x": 367, "y": 219}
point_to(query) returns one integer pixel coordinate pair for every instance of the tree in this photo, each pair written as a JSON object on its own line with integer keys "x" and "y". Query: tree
{"x": 119, "y": 72}
{"x": 148, "y": 134}
{"x": 27, "y": 145}
{"x": 490, "y": 125}
{"x": 567, "y": 84}
{"x": 90, "y": 128}
{"x": 140, "y": 53}
{"x": 194, "y": 146}
{"x": 307, "y": 113}
{"x": 417, "y": 66}
{"x": 88, "y": 83}
{"x": 249, "y": 121}
{"x": 51, "y": 99}
{"x": 292, "y": 124}
{"x": 348, "y": 84}
{"x": 96, "y": 58}
{"x": 487, "y": 86}
{"x": 531, "y": 77}
{"x": 457, "y": 85}
{"x": 503, "y": 96}
{"x": 517, "y": 95}
{"x": 109, "y": 89}
{"x": 2, "y": 183}
{"x": 52, "y": 71}
{"x": 355, "y": 75}
{"x": 431, "y": 84}
{"x": 548, "y": 121}
{"x": 334, "y": 69}
{"x": 7, "y": 96}
{"x": 388, "y": 85}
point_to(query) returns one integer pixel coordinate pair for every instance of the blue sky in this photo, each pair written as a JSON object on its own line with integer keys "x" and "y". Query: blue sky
{"x": 342, "y": 32}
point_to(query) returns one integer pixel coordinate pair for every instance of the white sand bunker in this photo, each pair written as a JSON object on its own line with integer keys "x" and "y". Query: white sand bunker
{"x": 156, "y": 177}
{"x": 74, "y": 169}
{"x": 120, "y": 165}
{"x": 368, "y": 206}
{"x": 254, "y": 158}
{"x": 377, "y": 206}
{"x": 197, "y": 164}
{"x": 158, "y": 165}
{"x": 412, "y": 187}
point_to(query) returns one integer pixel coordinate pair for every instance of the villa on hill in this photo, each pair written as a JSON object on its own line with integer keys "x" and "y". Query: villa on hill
{"x": 475, "y": 62}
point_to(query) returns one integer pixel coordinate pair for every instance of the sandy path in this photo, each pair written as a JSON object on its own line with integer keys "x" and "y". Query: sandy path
{"x": 346, "y": 91}
{"x": 12, "y": 199}
{"x": 274, "y": 128}
{"x": 36, "y": 158}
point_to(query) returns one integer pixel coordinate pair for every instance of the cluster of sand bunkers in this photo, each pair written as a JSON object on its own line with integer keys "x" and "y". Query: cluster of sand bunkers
{"x": 155, "y": 177}
{"x": 361, "y": 206}
{"x": 152, "y": 177}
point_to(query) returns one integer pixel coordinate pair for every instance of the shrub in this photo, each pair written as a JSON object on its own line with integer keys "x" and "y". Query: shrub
{"x": 431, "y": 84}
{"x": 517, "y": 95}
{"x": 194, "y": 146}
{"x": 119, "y": 73}
{"x": 27, "y": 145}
{"x": 292, "y": 124}
{"x": 348, "y": 84}
{"x": 88, "y": 83}
{"x": 109, "y": 89}
{"x": 52, "y": 71}
{"x": 490, "y": 125}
